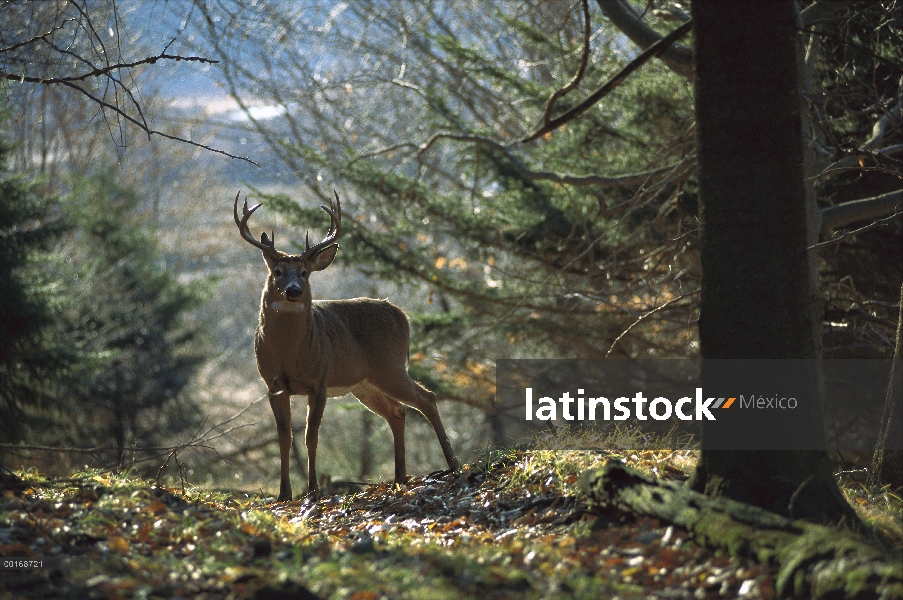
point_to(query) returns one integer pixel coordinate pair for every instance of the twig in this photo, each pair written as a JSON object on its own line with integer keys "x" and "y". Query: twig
{"x": 101, "y": 71}
{"x": 197, "y": 440}
{"x": 71, "y": 450}
{"x": 845, "y": 234}
{"x": 855, "y": 160}
{"x": 627, "y": 180}
{"x": 33, "y": 40}
{"x": 163, "y": 466}
{"x": 578, "y": 76}
{"x": 147, "y": 129}
{"x": 796, "y": 494}
{"x": 645, "y": 315}
{"x": 108, "y": 71}
{"x": 650, "y": 52}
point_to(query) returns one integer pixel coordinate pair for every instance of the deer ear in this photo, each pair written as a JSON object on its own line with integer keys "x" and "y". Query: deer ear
{"x": 323, "y": 258}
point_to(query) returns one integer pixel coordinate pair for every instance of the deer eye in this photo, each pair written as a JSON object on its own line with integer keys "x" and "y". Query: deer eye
{"x": 277, "y": 272}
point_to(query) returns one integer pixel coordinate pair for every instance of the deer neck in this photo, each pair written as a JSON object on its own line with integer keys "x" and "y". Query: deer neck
{"x": 287, "y": 340}
{"x": 284, "y": 324}
{"x": 284, "y": 307}
{"x": 284, "y": 332}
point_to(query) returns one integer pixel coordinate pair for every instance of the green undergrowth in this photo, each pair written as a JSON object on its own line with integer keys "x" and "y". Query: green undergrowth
{"x": 143, "y": 541}
{"x": 510, "y": 525}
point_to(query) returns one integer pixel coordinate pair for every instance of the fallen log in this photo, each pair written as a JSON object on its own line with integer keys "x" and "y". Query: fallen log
{"x": 812, "y": 561}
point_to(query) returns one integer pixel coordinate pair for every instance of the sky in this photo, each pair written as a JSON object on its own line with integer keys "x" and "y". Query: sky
{"x": 192, "y": 86}
{"x": 156, "y": 23}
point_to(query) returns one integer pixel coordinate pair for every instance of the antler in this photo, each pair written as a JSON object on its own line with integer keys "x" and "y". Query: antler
{"x": 266, "y": 244}
{"x": 335, "y": 230}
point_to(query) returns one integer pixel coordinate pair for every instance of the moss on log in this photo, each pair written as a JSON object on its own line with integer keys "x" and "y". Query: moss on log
{"x": 812, "y": 561}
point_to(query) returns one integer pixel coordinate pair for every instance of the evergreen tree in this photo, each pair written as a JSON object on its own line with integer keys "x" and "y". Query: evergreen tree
{"x": 31, "y": 363}
{"x": 129, "y": 316}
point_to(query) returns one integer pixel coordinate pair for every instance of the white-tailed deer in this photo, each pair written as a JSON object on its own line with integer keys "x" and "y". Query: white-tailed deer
{"x": 330, "y": 348}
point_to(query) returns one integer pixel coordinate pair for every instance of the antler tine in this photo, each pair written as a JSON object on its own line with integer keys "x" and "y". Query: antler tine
{"x": 335, "y": 230}
{"x": 335, "y": 216}
{"x": 243, "y": 228}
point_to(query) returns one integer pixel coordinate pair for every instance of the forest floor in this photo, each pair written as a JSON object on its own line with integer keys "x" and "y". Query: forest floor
{"x": 513, "y": 526}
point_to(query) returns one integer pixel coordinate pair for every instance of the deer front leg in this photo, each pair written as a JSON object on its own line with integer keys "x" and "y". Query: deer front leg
{"x": 280, "y": 402}
{"x": 316, "y": 403}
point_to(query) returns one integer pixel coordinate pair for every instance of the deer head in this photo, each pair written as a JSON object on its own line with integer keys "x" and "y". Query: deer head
{"x": 288, "y": 273}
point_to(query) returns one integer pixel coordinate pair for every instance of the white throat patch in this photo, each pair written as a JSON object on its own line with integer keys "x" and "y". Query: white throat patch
{"x": 287, "y": 307}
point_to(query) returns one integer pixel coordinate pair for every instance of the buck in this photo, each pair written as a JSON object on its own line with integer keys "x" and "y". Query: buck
{"x": 330, "y": 348}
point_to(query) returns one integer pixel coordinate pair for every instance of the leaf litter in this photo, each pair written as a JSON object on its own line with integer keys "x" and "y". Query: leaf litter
{"x": 513, "y": 526}
{"x": 510, "y": 527}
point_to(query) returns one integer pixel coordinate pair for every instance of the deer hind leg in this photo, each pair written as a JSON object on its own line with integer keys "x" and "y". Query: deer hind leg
{"x": 282, "y": 411}
{"x": 316, "y": 404}
{"x": 409, "y": 392}
{"x": 394, "y": 414}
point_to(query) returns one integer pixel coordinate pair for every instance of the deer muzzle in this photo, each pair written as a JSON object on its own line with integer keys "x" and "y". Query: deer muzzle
{"x": 293, "y": 292}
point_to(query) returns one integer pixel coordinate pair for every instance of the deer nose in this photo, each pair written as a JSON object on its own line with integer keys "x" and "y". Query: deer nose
{"x": 293, "y": 292}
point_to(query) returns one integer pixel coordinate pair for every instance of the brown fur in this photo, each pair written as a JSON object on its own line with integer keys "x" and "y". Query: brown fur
{"x": 330, "y": 348}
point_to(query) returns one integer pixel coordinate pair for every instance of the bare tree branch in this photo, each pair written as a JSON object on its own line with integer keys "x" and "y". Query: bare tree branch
{"x": 62, "y": 45}
{"x": 103, "y": 71}
{"x": 197, "y": 440}
{"x": 578, "y": 76}
{"x": 880, "y": 128}
{"x": 146, "y": 128}
{"x": 678, "y": 58}
{"x": 845, "y": 234}
{"x": 646, "y": 315}
{"x": 654, "y": 50}
{"x": 860, "y": 210}
{"x": 865, "y": 160}
{"x": 36, "y": 38}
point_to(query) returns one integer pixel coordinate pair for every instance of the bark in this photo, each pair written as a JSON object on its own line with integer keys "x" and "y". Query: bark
{"x": 808, "y": 51}
{"x": 887, "y": 463}
{"x": 812, "y": 561}
{"x": 755, "y": 297}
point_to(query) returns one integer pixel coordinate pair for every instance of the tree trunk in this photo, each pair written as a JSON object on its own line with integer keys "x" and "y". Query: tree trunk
{"x": 887, "y": 463}
{"x": 755, "y": 300}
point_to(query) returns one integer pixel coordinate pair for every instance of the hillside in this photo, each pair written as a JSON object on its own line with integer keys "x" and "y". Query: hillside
{"x": 512, "y": 526}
